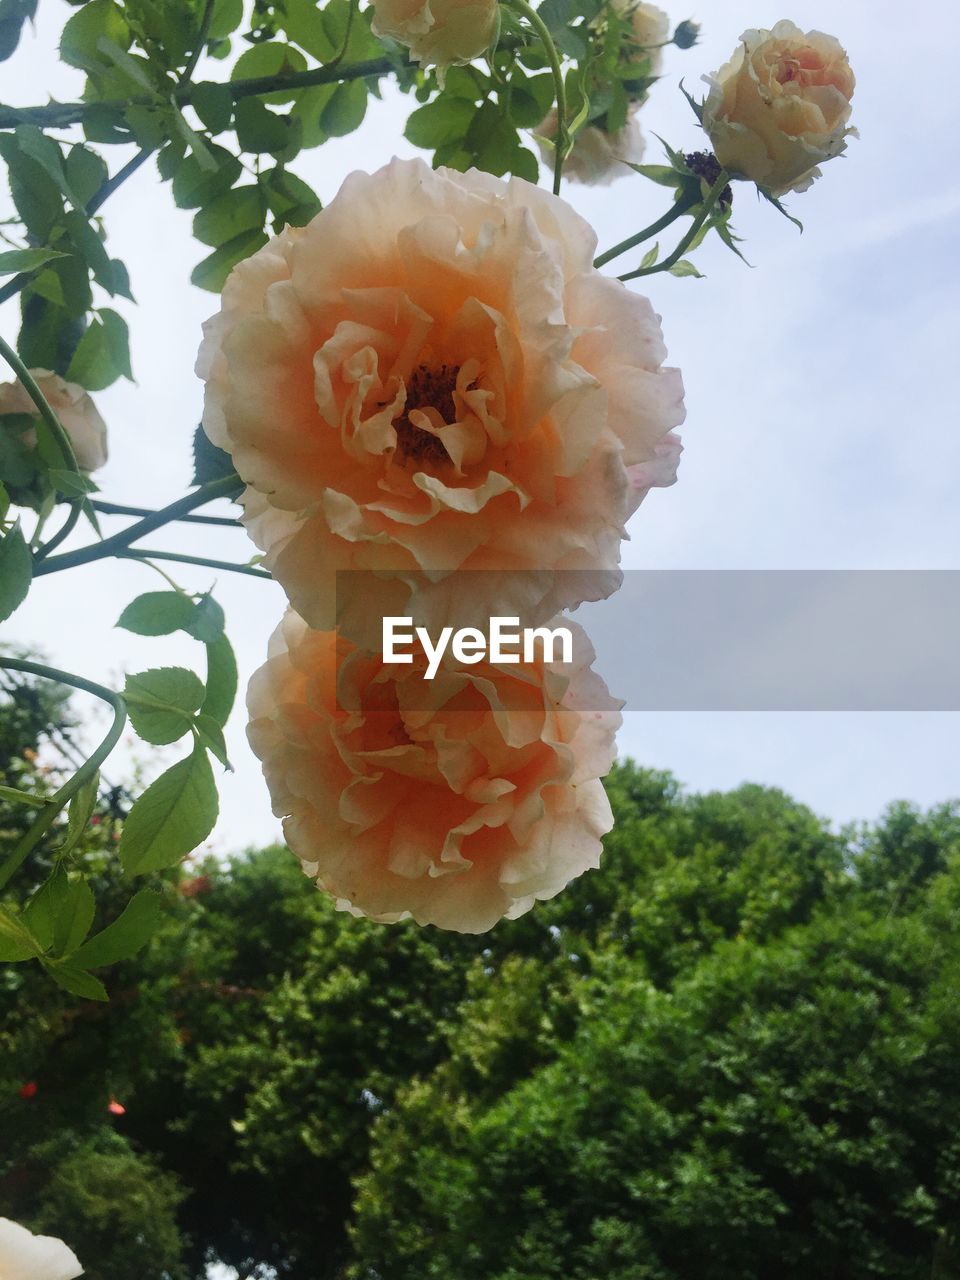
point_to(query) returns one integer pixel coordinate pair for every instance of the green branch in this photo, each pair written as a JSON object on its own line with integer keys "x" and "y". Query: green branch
{"x": 148, "y": 553}
{"x": 222, "y": 488}
{"x": 682, "y": 206}
{"x": 699, "y": 221}
{"x": 60, "y": 798}
{"x": 57, "y": 115}
{"x": 562, "y": 139}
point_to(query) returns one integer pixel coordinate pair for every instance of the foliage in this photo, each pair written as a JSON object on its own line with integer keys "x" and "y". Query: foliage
{"x": 731, "y": 1050}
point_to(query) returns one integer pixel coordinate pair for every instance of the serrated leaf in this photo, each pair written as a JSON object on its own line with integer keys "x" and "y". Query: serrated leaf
{"x": 41, "y": 912}
{"x": 161, "y": 703}
{"x": 16, "y": 571}
{"x": 33, "y": 142}
{"x": 16, "y": 941}
{"x": 212, "y": 272}
{"x": 209, "y": 461}
{"x": 781, "y": 208}
{"x": 211, "y": 735}
{"x": 213, "y": 103}
{"x": 157, "y": 613}
{"x": 72, "y": 484}
{"x": 78, "y": 815}
{"x": 77, "y": 981}
{"x": 103, "y": 353}
{"x": 662, "y": 174}
{"x": 259, "y": 129}
{"x": 234, "y": 213}
{"x": 194, "y": 186}
{"x": 123, "y": 938}
{"x": 686, "y": 268}
{"x": 174, "y": 815}
{"x": 221, "y": 688}
{"x": 439, "y": 122}
{"x": 98, "y": 18}
{"x": 346, "y": 109}
{"x": 207, "y": 622}
{"x": 74, "y": 917}
{"x": 650, "y": 257}
{"x": 16, "y": 260}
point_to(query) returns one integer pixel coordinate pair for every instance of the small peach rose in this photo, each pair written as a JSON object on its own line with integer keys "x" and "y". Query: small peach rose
{"x": 24, "y": 1256}
{"x": 438, "y": 33}
{"x": 597, "y": 158}
{"x": 780, "y": 107}
{"x": 72, "y": 405}
{"x": 649, "y": 30}
{"x": 432, "y": 377}
{"x": 456, "y": 803}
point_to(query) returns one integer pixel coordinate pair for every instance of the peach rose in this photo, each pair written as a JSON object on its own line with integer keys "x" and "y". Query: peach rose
{"x": 780, "y": 107}
{"x": 77, "y": 413}
{"x": 24, "y": 1256}
{"x": 456, "y": 803}
{"x": 597, "y": 158}
{"x": 438, "y": 33}
{"x": 431, "y": 377}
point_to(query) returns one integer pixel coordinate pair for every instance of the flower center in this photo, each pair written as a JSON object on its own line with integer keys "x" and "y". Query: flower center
{"x": 426, "y": 389}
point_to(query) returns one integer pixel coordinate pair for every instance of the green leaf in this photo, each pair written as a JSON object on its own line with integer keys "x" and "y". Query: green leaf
{"x": 303, "y": 23}
{"x": 16, "y": 941}
{"x": 235, "y": 212}
{"x": 78, "y": 815}
{"x": 103, "y": 353}
{"x": 71, "y": 484}
{"x": 174, "y": 815}
{"x": 82, "y": 34}
{"x": 194, "y": 186}
{"x": 221, "y": 681}
{"x": 35, "y": 144}
{"x": 211, "y": 735}
{"x": 157, "y": 613}
{"x": 213, "y": 271}
{"x": 161, "y": 702}
{"x": 76, "y": 981}
{"x": 209, "y": 462}
{"x": 439, "y": 122}
{"x": 47, "y": 285}
{"x": 123, "y": 938}
{"x": 227, "y": 16}
{"x": 258, "y": 129}
{"x": 207, "y": 622}
{"x": 213, "y": 103}
{"x": 15, "y": 260}
{"x": 662, "y": 174}
{"x": 781, "y": 208}
{"x": 41, "y": 912}
{"x": 74, "y": 917}
{"x": 13, "y": 15}
{"x": 650, "y": 257}
{"x": 685, "y": 268}
{"x": 86, "y": 172}
{"x": 345, "y": 110}
{"x": 270, "y": 58}
{"x": 16, "y": 571}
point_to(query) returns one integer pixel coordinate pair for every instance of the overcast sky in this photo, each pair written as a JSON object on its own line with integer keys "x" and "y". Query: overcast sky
{"x": 821, "y": 393}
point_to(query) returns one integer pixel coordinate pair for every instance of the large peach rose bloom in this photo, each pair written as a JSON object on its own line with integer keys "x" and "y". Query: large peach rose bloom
{"x": 431, "y": 376}
{"x": 24, "y": 1256}
{"x": 456, "y": 803}
{"x": 780, "y": 107}
{"x": 78, "y": 414}
{"x": 438, "y": 32}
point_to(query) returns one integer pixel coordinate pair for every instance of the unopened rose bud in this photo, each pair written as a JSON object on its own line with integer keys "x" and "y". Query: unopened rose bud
{"x": 780, "y": 107}
{"x": 687, "y": 34}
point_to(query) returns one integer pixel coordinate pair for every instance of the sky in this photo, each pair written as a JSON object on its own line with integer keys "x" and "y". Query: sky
{"x": 820, "y": 385}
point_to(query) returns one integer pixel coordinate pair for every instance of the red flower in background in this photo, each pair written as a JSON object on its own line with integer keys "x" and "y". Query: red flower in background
{"x": 28, "y": 1090}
